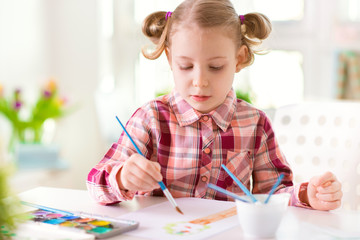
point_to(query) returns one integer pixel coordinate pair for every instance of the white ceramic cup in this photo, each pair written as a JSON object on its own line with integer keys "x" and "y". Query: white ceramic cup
{"x": 262, "y": 220}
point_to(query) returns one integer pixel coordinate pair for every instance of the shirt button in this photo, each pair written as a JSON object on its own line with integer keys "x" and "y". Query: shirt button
{"x": 205, "y": 118}
{"x": 204, "y": 178}
{"x": 207, "y": 150}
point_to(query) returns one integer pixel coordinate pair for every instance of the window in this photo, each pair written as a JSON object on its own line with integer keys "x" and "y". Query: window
{"x": 349, "y": 10}
{"x": 276, "y": 10}
{"x": 275, "y": 79}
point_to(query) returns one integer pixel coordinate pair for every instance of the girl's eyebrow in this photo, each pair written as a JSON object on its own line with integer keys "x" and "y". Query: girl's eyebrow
{"x": 211, "y": 58}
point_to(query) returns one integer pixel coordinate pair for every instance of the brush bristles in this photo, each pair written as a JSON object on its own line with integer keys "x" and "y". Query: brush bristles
{"x": 178, "y": 209}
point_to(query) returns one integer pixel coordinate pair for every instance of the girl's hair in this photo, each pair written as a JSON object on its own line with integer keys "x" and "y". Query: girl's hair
{"x": 206, "y": 13}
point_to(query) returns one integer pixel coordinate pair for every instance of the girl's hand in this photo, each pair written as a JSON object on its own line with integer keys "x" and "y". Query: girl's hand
{"x": 139, "y": 174}
{"x": 324, "y": 192}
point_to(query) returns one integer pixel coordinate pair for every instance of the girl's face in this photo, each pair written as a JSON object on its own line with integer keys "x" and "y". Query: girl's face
{"x": 204, "y": 62}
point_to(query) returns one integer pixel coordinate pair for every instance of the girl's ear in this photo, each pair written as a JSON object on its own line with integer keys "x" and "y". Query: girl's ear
{"x": 168, "y": 56}
{"x": 242, "y": 56}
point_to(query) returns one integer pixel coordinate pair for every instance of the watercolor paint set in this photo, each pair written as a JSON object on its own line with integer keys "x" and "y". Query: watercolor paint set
{"x": 98, "y": 227}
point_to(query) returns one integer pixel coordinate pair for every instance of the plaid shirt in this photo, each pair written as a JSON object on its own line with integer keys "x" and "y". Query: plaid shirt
{"x": 191, "y": 146}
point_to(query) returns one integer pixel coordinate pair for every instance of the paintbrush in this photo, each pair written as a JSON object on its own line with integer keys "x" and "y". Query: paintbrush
{"x": 274, "y": 188}
{"x": 243, "y": 188}
{"x": 226, "y": 192}
{"x": 162, "y": 185}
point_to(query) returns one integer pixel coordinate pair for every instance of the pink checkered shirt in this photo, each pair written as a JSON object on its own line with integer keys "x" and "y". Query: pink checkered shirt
{"x": 191, "y": 146}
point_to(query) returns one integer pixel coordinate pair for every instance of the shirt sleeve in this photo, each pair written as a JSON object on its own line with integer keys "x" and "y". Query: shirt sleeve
{"x": 270, "y": 162}
{"x": 102, "y": 181}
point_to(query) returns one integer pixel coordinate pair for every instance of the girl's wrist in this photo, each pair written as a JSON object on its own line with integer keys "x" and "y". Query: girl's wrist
{"x": 118, "y": 177}
{"x": 303, "y": 194}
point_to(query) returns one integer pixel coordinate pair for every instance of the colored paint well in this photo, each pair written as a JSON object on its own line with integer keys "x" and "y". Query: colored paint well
{"x": 54, "y": 215}
{"x": 84, "y": 220}
{"x": 99, "y": 223}
{"x": 69, "y": 224}
{"x": 40, "y": 212}
{"x": 39, "y": 218}
{"x": 100, "y": 230}
{"x": 85, "y": 227}
{"x": 55, "y": 221}
{"x": 69, "y": 217}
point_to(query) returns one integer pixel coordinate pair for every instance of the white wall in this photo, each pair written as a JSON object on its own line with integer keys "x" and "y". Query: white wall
{"x": 72, "y": 28}
{"x": 23, "y": 56}
{"x": 50, "y": 38}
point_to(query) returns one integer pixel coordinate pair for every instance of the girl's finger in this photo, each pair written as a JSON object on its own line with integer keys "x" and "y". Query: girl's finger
{"x": 330, "y": 188}
{"x": 324, "y": 179}
{"x": 329, "y": 197}
{"x": 330, "y": 205}
{"x": 152, "y": 168}
{"x": 139, "y": 178}
{"x": 135, "y": 183}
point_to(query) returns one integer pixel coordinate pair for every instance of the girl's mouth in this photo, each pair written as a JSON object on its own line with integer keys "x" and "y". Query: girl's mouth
{"x": 199, "y": 98}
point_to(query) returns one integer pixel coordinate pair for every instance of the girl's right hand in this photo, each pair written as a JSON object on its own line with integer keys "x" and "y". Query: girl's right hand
{"x": 139, "y": 174}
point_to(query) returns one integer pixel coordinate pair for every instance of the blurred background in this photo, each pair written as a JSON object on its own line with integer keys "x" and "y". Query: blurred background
{"x": 88, "y": 52}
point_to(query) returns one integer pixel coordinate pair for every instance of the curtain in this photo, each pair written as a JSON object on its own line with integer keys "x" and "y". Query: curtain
{"x": 348, "y": 79}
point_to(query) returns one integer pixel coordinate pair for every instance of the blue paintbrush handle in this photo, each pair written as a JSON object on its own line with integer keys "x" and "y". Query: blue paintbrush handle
{"x": 162, "y": 185}
{"x": 243, "y": 188}
{"x": 132, "y": 141}
{"x": 274, "y": 188}
{"x": 226, "y": 192}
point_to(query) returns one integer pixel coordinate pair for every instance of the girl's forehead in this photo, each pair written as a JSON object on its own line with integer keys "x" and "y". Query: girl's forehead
{"x": 196, "y": 30}
{"x": 200, "y": 43}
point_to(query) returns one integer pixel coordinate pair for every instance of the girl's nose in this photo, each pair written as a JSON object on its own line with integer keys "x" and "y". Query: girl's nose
{"x": 200, "y": 80}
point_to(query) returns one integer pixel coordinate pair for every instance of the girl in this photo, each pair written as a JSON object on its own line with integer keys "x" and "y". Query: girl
{"x": 186, "y": 135}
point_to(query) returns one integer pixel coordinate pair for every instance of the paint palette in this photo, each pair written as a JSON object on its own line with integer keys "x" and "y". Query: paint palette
{"x": 100, "y": 228}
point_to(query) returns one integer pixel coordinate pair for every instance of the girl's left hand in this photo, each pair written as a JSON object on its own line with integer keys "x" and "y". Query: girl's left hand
{"x": 324, "y": 192}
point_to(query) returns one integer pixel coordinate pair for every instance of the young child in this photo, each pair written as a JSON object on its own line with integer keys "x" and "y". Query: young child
{"x": 186, "y": 135}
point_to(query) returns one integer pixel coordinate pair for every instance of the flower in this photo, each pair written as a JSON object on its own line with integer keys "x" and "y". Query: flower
{"x": 48, "y": 105}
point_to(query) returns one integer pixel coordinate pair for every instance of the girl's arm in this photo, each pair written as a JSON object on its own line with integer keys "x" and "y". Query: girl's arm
{"x": 103, "y": 179}
{"x": 270, "y": 162}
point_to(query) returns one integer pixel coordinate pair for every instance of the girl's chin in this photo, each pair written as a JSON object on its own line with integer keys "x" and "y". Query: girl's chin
{"x": 201, "y": 108}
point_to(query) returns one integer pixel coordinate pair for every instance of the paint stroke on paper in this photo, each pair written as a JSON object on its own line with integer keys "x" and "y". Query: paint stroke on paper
{"x": 202, "y": 219}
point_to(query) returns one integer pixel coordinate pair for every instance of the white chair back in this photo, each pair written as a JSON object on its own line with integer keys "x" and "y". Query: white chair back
{"x": 323, "y": 136}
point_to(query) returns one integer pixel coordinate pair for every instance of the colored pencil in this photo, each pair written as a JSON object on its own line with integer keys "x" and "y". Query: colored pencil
{"x": 162, "y": 185}
{"x": 243, "y": 188}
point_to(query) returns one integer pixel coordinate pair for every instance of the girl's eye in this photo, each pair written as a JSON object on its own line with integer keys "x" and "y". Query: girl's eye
{"x": 186, "y": 67}
{"x": 216, "y": 67}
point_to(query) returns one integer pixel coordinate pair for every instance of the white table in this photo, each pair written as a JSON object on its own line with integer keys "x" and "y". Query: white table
{"x": 298, "y": 223}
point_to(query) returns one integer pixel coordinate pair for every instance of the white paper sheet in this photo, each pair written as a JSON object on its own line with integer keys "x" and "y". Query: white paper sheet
{"x": 162, "y": 221}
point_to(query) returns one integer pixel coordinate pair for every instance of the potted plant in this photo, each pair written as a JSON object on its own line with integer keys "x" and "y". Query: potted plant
{"x": 27, "y": 133}
{"x": 8, "y": 206}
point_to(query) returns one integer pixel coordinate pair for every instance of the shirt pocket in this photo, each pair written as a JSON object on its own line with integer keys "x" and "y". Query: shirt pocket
{"x": 241, "y": 165}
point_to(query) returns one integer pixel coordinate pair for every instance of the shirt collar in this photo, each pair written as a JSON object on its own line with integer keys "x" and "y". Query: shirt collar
{"x": 187, "y": 115}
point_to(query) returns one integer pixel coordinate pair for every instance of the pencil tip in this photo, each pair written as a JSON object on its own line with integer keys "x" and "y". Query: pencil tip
{"x": 178, "y": 209}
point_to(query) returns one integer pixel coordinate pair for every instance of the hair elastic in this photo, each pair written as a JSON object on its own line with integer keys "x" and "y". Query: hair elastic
{"x": 242, "y": 19}
{"x": 168, "y": 14}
